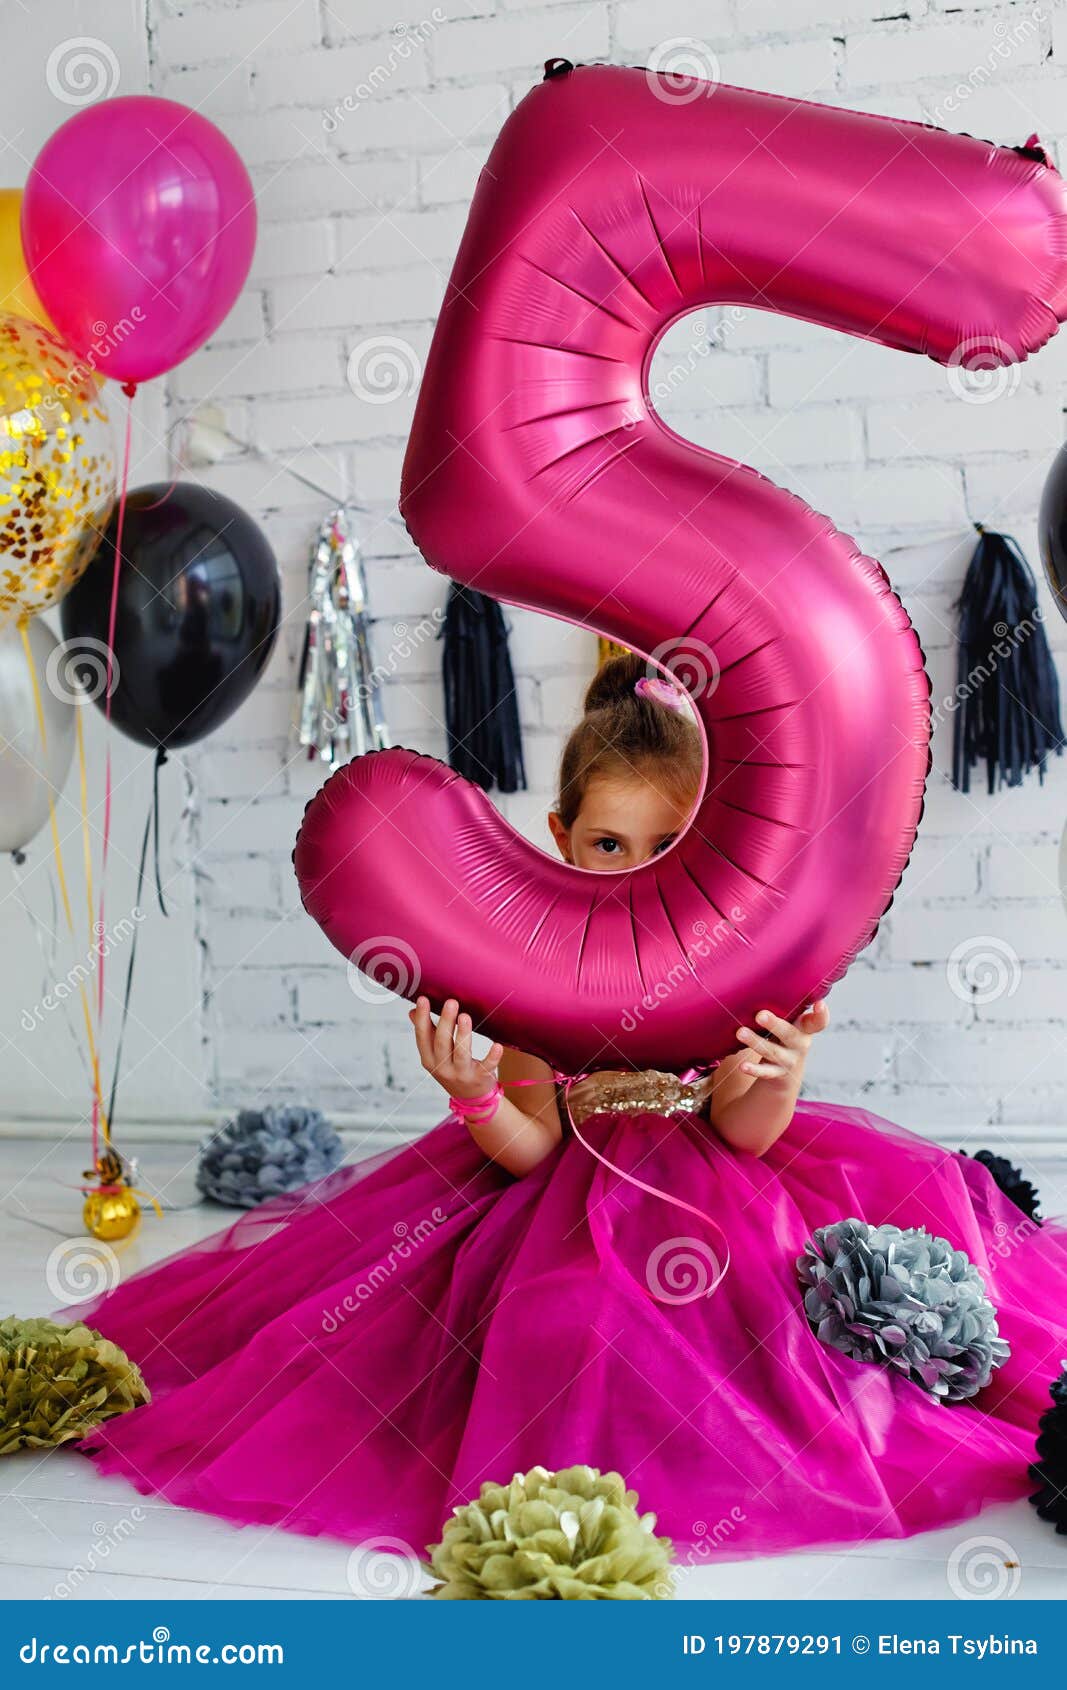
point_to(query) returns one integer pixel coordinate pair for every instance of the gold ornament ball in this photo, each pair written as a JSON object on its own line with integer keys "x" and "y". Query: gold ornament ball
{"x": 111, "y": 1214}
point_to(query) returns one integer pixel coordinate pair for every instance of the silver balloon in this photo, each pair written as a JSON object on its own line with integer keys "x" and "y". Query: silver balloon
{"x": 30, "y": 771}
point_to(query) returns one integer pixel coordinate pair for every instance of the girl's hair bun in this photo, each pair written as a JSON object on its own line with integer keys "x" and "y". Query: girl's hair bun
{"x": 614, "y": 681}
{"x": 624, "y": 732}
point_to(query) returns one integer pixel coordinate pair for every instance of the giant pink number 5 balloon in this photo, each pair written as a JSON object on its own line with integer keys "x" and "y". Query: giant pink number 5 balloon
{"x": 615, "y": 201}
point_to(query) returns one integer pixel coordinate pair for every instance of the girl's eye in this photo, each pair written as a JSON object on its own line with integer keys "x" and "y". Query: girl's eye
{"x": 608, "y": 845}
{"x": 664, "y": 843}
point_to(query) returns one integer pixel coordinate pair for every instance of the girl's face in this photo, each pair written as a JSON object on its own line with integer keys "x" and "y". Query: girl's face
{"x": 621, "y": 822}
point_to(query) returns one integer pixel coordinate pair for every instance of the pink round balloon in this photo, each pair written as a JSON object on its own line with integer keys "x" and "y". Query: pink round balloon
{"x": 615, "y": 201}
{"x": 139, "y": 225}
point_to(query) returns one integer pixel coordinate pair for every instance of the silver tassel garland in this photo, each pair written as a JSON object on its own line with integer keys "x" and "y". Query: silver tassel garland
{"x": 340, "y": 694}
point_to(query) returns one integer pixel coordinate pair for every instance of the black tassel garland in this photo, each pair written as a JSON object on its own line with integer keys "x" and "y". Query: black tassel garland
{"x": 481, "y": 710}
{"x": 1007, "y": 693}
{"x": 1011, "y": 1182}
{"x": 1050, "y": 1471}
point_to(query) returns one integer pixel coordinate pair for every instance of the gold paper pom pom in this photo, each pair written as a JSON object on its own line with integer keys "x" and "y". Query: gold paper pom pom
{"x": 58, "y": 1382}
{"x": 575, "y": 1535}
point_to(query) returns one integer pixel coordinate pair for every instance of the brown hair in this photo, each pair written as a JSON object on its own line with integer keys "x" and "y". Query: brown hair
{"x": 621, "y": 733}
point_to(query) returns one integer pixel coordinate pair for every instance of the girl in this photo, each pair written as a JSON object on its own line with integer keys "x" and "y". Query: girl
{"x": 628, "y": 782}
{"x": 604, "y": 1276}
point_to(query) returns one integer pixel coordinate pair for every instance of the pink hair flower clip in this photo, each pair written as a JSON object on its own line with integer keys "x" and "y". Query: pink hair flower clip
{"x": 657, "y": 691}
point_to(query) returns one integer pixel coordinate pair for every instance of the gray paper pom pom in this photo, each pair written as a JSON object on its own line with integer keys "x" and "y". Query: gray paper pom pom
{"x": 265, "y": 1152}
{"x": 904, "y": 1298}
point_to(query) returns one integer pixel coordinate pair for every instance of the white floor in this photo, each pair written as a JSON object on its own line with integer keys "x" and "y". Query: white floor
{"x": 68, "y": 1532}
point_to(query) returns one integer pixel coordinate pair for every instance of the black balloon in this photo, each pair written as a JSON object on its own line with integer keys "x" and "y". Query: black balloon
{"x": 199, "y": 601}
{"x": 1052, "y": 529}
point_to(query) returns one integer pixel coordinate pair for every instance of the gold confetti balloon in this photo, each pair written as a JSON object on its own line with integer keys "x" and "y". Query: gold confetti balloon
{"x": 57, "y": 468}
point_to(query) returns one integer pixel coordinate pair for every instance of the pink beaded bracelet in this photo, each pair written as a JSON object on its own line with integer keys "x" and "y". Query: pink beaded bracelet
{"x": 477, "y": 1109}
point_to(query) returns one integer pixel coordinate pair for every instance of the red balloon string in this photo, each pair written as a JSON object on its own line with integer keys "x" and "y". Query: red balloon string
{"x": 129, "y": 389}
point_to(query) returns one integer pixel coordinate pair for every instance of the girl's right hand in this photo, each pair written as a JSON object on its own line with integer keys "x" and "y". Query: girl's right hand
{"x": 445, "y": 1050}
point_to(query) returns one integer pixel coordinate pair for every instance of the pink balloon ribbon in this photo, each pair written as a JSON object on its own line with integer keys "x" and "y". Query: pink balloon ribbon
{"x": 106, "y": 841}
{"x": 722, "y": 1259}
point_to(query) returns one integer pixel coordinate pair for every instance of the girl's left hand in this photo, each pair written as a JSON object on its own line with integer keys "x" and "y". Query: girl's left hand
{"x": 783, "y": 1056}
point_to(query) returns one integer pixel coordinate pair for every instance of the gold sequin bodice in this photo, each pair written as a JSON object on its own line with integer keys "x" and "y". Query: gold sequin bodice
{"x": 613, "y": 1091}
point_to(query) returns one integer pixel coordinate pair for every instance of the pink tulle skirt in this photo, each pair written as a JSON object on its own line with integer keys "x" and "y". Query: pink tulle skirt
{"x": 357, "y": 1358}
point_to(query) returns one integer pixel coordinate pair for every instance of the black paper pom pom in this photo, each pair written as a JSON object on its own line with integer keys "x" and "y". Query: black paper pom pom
{"x": 1011, "y": 1182}
{"x": 1050, "y": 1471}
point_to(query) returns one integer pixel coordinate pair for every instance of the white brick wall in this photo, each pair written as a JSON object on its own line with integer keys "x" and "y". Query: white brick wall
{"x": 365, "y": 141}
